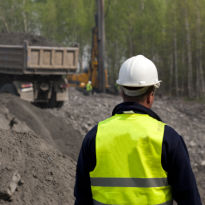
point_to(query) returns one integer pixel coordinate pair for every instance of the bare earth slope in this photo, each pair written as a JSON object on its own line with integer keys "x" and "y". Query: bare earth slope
{"x": 47, "y": 175}
{"x": 41, "y": 145}
{"x": 41, "y": 148}
{"x": 54, "y": 130}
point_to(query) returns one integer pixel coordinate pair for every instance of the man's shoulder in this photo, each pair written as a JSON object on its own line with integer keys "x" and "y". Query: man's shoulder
{"x": 171, "y": 134}
{"x": 171, "y": 131}
{"x": 173, "y": 148}
{"x": 90, "y": 136}
{"x": 172, "y": 139}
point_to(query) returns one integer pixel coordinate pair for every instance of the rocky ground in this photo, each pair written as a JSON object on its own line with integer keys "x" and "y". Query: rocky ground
{"x": 39, "y": 147}
{"x": 38, "y": 154}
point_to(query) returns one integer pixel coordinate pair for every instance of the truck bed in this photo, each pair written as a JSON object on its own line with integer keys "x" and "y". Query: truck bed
{"x": 19, "y": 60}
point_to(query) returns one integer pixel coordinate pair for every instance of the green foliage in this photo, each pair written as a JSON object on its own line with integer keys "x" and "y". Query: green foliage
{"x": 17, "y": 16}
{"x": 161, "y": 30}
{"x": 66, "y": 21}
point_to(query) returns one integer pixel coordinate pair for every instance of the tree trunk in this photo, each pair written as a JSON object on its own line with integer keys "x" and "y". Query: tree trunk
{"x": 24, "y": 17}
{"x": 142, "y": 5}
{"x": 183, "y": 88}
{"x": 200, "y": 85}
{"x": 176, "y": 65}
{"x": 189, "y": 55}
{"x": 5, "y": 23}
{"x": 171, "y": 72}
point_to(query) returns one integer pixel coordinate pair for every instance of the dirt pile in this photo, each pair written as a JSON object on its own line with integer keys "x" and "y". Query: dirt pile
{"x": 19, "y": 38}
{"x": 39, "y": 147}
{"x": 26, "y": 117}
{"x": 46, "y": 174}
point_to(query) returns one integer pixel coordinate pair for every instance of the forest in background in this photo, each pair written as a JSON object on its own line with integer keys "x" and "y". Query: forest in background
{"x": 170, "y": 32}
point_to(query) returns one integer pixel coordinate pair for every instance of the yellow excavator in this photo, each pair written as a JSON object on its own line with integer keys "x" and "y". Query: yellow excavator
{"x": 80, "y": 80}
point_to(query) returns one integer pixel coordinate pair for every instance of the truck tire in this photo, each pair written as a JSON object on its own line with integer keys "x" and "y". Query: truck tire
{"x": 9, "y": 88}
{"x": 59, "y": 104}
{"x": 53, "y": 103}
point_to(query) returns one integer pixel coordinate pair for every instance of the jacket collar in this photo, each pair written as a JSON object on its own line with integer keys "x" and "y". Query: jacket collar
{"x": 136, "y": 108}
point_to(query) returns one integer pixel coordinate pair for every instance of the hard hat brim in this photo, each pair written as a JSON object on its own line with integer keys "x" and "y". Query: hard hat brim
{"x": 128, "y": 84}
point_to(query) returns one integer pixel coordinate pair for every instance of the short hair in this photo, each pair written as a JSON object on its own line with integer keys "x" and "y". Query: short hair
{"x": 139, "y": 98}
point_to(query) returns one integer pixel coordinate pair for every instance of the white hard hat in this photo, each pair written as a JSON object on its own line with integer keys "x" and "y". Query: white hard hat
{"x": 138, "y": 71}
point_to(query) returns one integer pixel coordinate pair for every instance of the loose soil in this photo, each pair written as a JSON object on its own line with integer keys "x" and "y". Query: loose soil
{"x": 42, "y": 145}
{"x": 19, "y": 38}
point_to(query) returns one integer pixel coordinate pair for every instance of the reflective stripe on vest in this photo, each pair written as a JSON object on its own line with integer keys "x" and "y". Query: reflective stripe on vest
{"x": 129, "y": 182}
{"x": 128, "y": 162}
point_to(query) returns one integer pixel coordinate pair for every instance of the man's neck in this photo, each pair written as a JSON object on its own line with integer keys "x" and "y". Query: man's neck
{"x": 141, "y": 103}
{"x": 145, "y": 104}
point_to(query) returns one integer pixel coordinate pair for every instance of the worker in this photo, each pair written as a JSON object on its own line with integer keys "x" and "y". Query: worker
{"x": 133, "y": 157}
{"x": 89, "y": 88}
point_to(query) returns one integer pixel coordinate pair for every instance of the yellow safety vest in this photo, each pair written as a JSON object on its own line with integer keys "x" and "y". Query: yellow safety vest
{"x": 128, "y": 162}
{"x": 89, "y": 87}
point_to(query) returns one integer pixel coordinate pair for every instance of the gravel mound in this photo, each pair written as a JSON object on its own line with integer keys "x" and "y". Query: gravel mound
{"x": 26, "y": 117}
{"x": 46, "y": 175}
{"x": 39, "y": 147}
{"x": 38, "y": 153}
{"x": 19, "y": 38}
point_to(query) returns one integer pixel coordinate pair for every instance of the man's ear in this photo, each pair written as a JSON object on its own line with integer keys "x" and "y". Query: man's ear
{"x": 121, "y": 93}
{"x": 150, "y": 98}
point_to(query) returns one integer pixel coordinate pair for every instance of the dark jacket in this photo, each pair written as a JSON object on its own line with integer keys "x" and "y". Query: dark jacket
{"x": 175, "y": 161}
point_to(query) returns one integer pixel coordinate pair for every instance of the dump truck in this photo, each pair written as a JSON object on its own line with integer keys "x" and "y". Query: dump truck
{"x": 37, "y": 73}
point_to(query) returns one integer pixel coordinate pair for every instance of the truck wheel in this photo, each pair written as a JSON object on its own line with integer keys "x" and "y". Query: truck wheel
{"x": 52, "y": 101}
{"x": 9, "y": 88}
{"x": 55, "y": 104}
{"x": 59, "y": 104}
